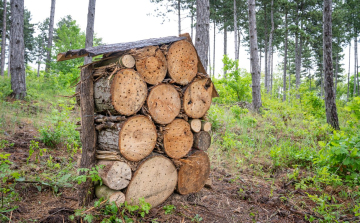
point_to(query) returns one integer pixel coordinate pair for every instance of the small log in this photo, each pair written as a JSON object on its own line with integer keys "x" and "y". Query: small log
{"x": 193, "y": 173}
{"x": 102, "y": 118}
{"x": 127, "y": 61}
{"x": 182, "y": 62}
{"x": 115, "y": 174}
{"x": 124, "y": 93}
{"x": 154, "y": 180}
{"x": 178, "y": 139}
{"x": 164, "y": 103}
{"x": 114, "y": 196}
{"x": 151, "y": 64}
{"x": 205, "y": 126}
{"x": 195, "y": 124}
{"x": 197, "y": 98}
{"x": 202, "y": 140}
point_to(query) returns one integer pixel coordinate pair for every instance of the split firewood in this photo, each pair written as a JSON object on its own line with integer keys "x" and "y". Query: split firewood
{"x": 195, "y": 124}
{"x": 124, "y": 93}
{"x": 202, "y": 140}
{"x": 115, "y": 174}
{"x": 182, "y": 62}
{"x": 112, "y": 195}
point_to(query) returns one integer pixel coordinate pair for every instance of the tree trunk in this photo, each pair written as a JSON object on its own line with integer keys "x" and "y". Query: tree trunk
{"x": 297, "y": 53}
{"x": 272, "y": 67}
{"x": 202, "y": 30}
{"x": 3, "y": 41}
{"x": 192, "y": 26}
{"x": 235, "y": 34}
{"x": 225, "y": 46}
{"x": 266, "y": 49}
{"x": 193, "y": 173}
{"x": 355, "y": 63}
{"x": 331, "y": 111}
{"x": 179, "y": 16}
{"x": 135, "y": 138}
{"x": 336, "y": 73}
{"x": 9, "y": 56}
{"x": 154, "y": 180}
{"x": 90, "y": 29}
{"x": 115, "y": 174}
{"x": 114, "y": 196}
{"x": 256, "y": 94}
{"x": 17, "y": 66}
{"x": 239, "y": 39}
{"x": 285, "y": 55}
{"x": 202, "y": 140}
{"x": 348, "y": 84}
{"x": 51, "y": 32}
{"x": 214, "y": 49}
{"x": 88, "y": 135}
{"x": 269, "y": 84}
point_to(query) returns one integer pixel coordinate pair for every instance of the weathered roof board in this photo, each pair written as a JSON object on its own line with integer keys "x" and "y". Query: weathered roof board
{"x": 117, "y": 47}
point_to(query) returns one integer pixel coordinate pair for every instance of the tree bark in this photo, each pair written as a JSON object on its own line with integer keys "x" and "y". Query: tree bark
{"x": 285, "y": 55}
{"x": 214, "y": 49}
{"x": 90, "y": 29}
{"x": 272, "y": 67}
{"x": 235, "y": 34}
{"x": 3, "y": 41}
{"x": 266, "y": 49}
{"x": 225, "y": 46}
{"x": 202, "y": 30}
{"x": 51, "y": 32}
{"x": 88, "y": 135}
{"x": 348, "y": 84}
{"x": 297, "y": 53}
{"x": 9, "y": 56}
{"x": 256, "y": 94}
{"x": 192, "y": 26}
{"x": 331, "y": 111}
{"x": 355, "y": 63}
{"x": 179, "y": 16}
{"x": 336, "y": 73}
{"x": 17, "y": 66}
{"x": 269, "y": 84}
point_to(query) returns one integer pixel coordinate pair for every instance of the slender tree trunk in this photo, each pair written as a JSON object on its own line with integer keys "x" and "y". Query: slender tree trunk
{"x": 322, "y": 82}
{"x": 355, "y": 63}
{"x": 90, "y": 28}
{"x": 336, "y": 73}
{"x": 331, "y": 111}
{"x": 9, "y": 57}
{"x": 272, "y": 68}
{"x": 192, "y": 25}
{"x": 51, "y": 32}
{"x": 3, "y": 41}
{"x": 17, "y": 66}
{"x": 357, "y": 69}
{"x": 209, "y": 59}
{"x": 214, "y": 49}
{"x": 285, "y": 56}
{"x": 202, "y": 30}
{"x": 348, "y": 84}
{"x": 266, "y": 50}
{"x": 39, "y": 63}
{"x": 179, "y": 17}
{"x": 239, "y": 39}
{"x": 269, "y": 88}
{"x": 235, "y": 34}
{"x": 254, "y": 57}
{"x": 297, "y": 67}
{"x": 260, "y": 61}
{"x": 225, "y": 46}
{"x": 309, "y": 79}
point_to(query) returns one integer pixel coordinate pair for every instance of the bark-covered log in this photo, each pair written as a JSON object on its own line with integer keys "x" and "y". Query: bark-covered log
{"x": 195, "y": 124}
{"x": 164, "y": 103}
{"x": 135, "y": 138}
{"x": 155, "y": 180}
{"x": 151, "y": 64}
{"x": 197, "y": 98}
{"x": 182, "y": 62}
{"x": 115, "y": 174}
{"x": 113, "y": 195}
{"x": 124, "y": 93}
{"x": 202, "y": 140}
{"x": 178, "y": 139}
{"x": 205, "y": 126}
{"x": 193, "y": 173}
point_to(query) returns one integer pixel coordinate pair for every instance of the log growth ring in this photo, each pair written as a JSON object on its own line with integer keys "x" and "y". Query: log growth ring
{"x": 182, "y": 62}
{"x": 178, "y": 139}
{"x": 128, "y": 92}
{"x": 137, "y": 138}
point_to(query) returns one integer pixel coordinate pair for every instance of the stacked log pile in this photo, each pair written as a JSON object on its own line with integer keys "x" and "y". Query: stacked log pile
{"x": 152, "y": 133}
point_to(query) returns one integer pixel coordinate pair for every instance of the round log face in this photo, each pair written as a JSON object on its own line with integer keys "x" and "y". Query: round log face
{"x": 128, "y": 92}
{"x": 155, "y": 180}
{"x": 164, "y": 103}
{"x": 127, "y": 61}
{"x": 194, "y": 173}
{"x": 152, "y": 68}
{"x": 137, "y": 138}
{"x": 197, "y": 98}
{"x": 178, "y": 139}
{"x": 195, "y": 124}
{"x": 115, "y": 174}
{"x": 202, "y": 140}
{"x": 182, "y": 62}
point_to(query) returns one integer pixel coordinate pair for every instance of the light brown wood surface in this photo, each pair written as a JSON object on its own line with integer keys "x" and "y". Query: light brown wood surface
{"x": 115, "y": 174}
{"x": 178, "y": 139}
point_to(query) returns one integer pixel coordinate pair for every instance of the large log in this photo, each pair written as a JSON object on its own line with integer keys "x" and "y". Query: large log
{"x": 164, "y": 103}
{"x": 151, "y": 64}
{"x": 115, "y": 174}
{"x": 114, "y": 196}
{"x": 178, "y": 139}
{"x": 155, "y": 180}
{"x": 193, "y": 173}
{"x": 202, "y": 140}
{"x": 197, "y": 98}
{"x": 135, "y": 138}
{"x": 182, "y": 62}
{"x": 124, "y": 93}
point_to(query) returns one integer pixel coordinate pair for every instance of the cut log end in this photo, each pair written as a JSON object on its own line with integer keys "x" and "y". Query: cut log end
{"x": 182, "y": 62}
{"x": 128, "y": 92}
{"x": 178, "y": 139}
{"x": 193, "y": 173}
{"x": 164, "y": 103}
{"x": 197, "y": 98}
{"x": 205, "y": 126}
{"x": 127, "y": 61}
{"x": 202, "y": 140}
{"x": 195, "y": 124}
{"x": 155, "y": 180}
{"x": 151, "y": 65}
{"x": 114, "y": 196}
{"x": 115, "y": 174}
{"x": 137, "y": 138}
